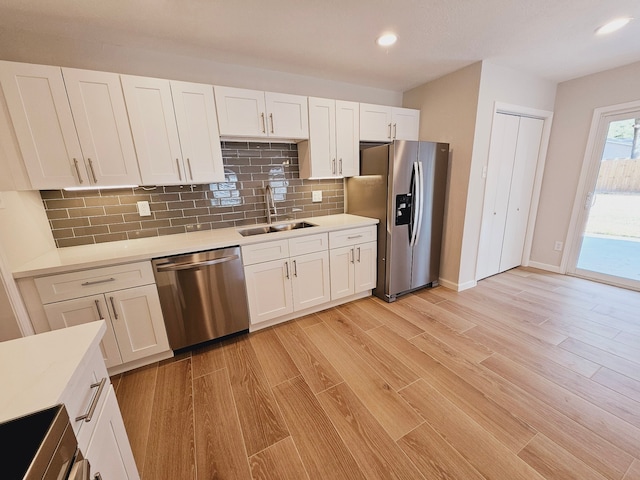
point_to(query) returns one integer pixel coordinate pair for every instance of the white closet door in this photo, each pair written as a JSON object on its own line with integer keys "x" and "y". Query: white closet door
{"x": 504, "y": 136}
{"x": 522, "y": 179}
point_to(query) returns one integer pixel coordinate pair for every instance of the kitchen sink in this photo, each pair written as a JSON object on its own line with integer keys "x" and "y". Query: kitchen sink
{"x": 280, "y": 227}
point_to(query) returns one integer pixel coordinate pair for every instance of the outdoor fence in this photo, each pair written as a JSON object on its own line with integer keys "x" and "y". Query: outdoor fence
{"x": 619, "y": 176}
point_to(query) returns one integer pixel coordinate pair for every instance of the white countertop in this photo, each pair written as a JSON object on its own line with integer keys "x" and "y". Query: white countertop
{"x": 142, "y": 249}
{"x": 35, "y": 370}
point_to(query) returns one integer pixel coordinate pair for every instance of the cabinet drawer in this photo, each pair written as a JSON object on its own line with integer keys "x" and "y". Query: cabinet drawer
{"x": 80, "y": 397}
{"x": 265, "y": 252}
{"x": 65, "y": 286}
{"x": 352, "y": 236}
{"x": 308, "y": 244}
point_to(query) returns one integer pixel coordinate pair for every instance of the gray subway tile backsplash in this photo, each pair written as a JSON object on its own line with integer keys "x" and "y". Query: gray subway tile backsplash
{"x": 96, "y": 216}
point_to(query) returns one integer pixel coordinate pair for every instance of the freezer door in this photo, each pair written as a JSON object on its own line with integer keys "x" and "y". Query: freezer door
{"x": 403, "y": 156}
{"x": 430, "y": 196}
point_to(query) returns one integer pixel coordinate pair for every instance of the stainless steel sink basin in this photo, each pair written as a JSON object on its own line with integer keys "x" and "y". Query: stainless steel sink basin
{"x": 280, "y": 227}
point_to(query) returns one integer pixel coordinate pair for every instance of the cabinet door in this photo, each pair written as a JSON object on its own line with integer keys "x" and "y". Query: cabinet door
{"x": 311, "y": 284}
{"x": 154, "y": 129}
{"x": 322, "y": 161}
{"x": 269, "y": 290}
{"x": 288, "y": 115}
{"x": 198, "y": 130}
{"x": 341, "y": 266}
{"x": 406, "y": 124}
{"x": 101, "y": 120}
{"x": 348, "y": 138}
{"x": 84, "y": 310}
{"x": 375, "y": 123}
{"x": 137, "y": 321}
{"x": 109, "y": 452}
{"x": 37, "y": 102}
{"x": 365, "y": 266}
{"x": 241, "y": 112}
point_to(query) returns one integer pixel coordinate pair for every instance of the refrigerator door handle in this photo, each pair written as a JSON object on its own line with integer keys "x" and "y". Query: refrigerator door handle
{"x": 420, "y": 203}
{"x": 415, "y": 208}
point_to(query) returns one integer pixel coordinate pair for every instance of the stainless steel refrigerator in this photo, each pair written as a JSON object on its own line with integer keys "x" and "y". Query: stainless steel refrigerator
{"x": 403, "y": 184}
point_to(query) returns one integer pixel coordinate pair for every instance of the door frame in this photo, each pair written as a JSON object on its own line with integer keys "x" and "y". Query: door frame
{"x": 586, "y": 183}
{"x": 547, "y": 117}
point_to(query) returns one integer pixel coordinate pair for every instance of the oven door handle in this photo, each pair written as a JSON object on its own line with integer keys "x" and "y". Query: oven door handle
{"x": 81, "y": 470}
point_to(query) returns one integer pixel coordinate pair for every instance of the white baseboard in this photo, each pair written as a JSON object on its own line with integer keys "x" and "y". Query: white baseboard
{"x": 546, "y": 266}
{"x": 458, "y": 287}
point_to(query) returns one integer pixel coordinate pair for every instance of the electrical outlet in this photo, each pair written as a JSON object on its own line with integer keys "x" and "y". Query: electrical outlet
{"x": 316, "y": 196}
{"x": 143, "y": 209}
{"x": 558, "y": 246}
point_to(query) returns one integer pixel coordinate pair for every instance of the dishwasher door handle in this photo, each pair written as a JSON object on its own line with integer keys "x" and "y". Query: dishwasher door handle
{"x": 170, "y": 267}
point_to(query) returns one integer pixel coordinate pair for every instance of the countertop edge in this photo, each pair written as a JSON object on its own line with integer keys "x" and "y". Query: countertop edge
{"x": 145, "y": 249}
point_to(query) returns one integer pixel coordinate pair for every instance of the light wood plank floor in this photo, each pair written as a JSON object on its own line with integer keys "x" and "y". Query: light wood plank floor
{"x": 530, "y": 375}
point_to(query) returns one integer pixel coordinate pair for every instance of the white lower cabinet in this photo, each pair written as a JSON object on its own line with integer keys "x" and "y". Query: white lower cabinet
{"x": 109, "y": 452}
{"x": 353, "y": 255}
{"x": 97, "y": 422}
{"x": 289, "y": 278}
{"x": 135, "y": 325}
{"x": 289, "y": 283}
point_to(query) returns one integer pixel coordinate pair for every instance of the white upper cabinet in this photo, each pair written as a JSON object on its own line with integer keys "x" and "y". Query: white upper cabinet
{"x": 101, "y": 120}
{"x": 71, "y": 125}
{"x": 333, "y": 147}
{"x": 381, "y": 123}
{"x": 37, "y": 102}
{"x": 257, "y": 114}
{"x": 175, "y": 130}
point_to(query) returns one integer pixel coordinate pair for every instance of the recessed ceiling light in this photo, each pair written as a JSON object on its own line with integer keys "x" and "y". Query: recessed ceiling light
{"x": 387, "y": 39}
{"x": 613, "y": 25}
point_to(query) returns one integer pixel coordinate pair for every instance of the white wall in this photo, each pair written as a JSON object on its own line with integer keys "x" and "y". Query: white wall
{"x": 30, "y": 47}
{"x": 459, "y": 108}
{"x": 573, "y": 112}
{"x": 497, "y": 84}
{"x": 448, "y": 114}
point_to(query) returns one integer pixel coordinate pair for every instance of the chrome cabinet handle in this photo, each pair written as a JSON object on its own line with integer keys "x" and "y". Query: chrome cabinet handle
{"x": 190, "y": 171}
{"x": 94, "y": 401}
{"x": 93, "y": 172}
{"x": 358, "y": 254}
{"x": 271, "y": 118}
{"x": 340, "y": 162}
{"x": 352, "y": 256}
{"x": 98, "y": 309}
{"x": 75, "y": 164}
{"x": 113, "y": 305}
{"x": 178, "y": 166}
{"x": 333, "y": 166}
{"x": 286, "y": 266}
{"x": 96, "y": 282}
{"x": 395, "y": 130}
{"x": 353, "y": 237}
{"x": 389, "y": 130}
{"x": 264, "y": 128}
{"x": 295, "y": 269}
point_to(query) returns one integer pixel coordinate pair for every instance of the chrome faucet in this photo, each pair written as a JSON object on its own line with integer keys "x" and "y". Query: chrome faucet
{"x": 270, "y": 202}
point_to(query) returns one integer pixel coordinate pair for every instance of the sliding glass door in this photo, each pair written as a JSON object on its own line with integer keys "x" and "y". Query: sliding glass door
{"x": 608, "y": 249}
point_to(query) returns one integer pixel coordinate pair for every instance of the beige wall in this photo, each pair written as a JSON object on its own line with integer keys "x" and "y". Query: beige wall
{"x": 573, "y": 113}
{"x": 448, "y": 114}
{"x": 50, "y": 50}
{"x": 8, "y": 323}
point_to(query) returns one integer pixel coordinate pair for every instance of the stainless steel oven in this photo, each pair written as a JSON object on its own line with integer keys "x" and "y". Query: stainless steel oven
{"x": 42, "y": 446}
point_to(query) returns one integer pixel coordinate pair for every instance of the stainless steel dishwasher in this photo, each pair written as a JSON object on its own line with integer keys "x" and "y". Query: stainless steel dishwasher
{"x": 203, "y": 295}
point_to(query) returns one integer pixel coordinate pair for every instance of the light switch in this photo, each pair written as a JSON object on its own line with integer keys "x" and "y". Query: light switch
{"x": 143, "y": 209}
{"x": 316, "y": 195}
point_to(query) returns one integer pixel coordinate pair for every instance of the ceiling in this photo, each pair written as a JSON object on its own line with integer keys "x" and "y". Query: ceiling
{"x": 335, "y": 40}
